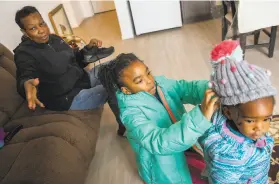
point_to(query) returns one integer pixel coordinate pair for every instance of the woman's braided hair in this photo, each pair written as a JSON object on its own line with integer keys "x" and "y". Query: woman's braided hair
{"x": 110, "y": 74}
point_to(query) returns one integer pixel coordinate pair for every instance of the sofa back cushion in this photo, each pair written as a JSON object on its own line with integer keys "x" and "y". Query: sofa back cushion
{"x": 7, "y": 60}
{"x": 10, "y": 100}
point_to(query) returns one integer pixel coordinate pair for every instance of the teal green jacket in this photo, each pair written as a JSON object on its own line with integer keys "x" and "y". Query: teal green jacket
{"x": 159, "y": 144}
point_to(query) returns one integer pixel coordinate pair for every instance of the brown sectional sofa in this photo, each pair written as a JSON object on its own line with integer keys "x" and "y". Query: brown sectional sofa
{"x": 53, "y": 147}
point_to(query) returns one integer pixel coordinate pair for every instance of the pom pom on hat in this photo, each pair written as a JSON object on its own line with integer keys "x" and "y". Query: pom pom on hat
{"x": 268, "y": 72}
{"x": 210, "y": 84}
{"x": 251, "y": 76}
{"x": 223, "y": 81}
{"x": 252, "y": 67}
{"x": 233, "y": 68}
{"x": 223, "y": 49}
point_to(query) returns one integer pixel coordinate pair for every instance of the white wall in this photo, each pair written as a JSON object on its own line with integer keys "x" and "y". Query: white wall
{"x": 124, "y": 19}
{"x": 86, "y": 8}
{"x": 77, "y": 11}
{"x": 70, "y": 14}
{"x": 102, "y": 6}
{"x": 80, "y": 10}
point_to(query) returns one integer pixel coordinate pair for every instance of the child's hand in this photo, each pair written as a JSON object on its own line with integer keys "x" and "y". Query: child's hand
{"x": 209, "y": 104}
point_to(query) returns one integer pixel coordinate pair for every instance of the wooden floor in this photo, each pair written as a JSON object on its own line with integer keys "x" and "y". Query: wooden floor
{"x": 181, "y": 53}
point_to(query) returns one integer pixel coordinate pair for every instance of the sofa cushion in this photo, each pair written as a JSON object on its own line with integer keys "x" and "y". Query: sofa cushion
{"x": 7, "y": 60}
{"x": 8, "y": 155}
{"x": 3, "y": 118}
{"x": 8, "y": 65}
{"x": 46, "y": 160}
{"x": 67, "y": 127}
{"x": 4, "y": 51}
{"x": 10, "y": 100}
{"x": 90, "y": 117}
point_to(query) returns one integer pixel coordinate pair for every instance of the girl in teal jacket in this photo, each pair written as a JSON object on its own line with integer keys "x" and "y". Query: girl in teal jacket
{"x": 158, "y": 142}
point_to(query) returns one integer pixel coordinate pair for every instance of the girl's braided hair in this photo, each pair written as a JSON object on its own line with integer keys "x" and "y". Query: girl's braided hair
{"x": 110, "y": 74}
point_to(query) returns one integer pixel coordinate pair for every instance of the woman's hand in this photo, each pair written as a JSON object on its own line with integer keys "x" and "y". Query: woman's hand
{"x": 31, "y": 93}
{"x": 209, "y": 104}
{"x": 94, "y": 42}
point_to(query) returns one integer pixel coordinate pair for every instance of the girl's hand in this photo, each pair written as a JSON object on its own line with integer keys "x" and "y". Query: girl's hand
{"x": 209, "y": 104}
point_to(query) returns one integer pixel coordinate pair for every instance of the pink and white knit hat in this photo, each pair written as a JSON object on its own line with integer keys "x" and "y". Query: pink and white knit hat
{"x": 235, "y": 80}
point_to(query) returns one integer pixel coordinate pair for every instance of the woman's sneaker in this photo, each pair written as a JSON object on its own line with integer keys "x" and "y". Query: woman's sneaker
{"x": 95, "y": 53}
{"x": 121, "y": 130}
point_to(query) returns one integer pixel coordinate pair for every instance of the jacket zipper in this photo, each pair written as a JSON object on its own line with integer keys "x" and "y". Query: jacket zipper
{"x": 51, "y": 47}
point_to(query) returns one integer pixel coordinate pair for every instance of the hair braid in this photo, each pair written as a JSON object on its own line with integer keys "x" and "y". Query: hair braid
{"x": 110, "y": 74}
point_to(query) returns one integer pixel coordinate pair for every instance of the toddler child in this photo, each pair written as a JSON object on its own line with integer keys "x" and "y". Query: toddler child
{"x": 237, "y": 148}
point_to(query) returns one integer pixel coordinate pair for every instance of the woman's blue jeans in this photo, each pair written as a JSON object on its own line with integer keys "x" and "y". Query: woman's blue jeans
{"x": 93, "y": 97}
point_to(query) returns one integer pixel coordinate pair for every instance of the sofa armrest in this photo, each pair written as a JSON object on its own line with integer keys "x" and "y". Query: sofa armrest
{"x": 6, "y": 52}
